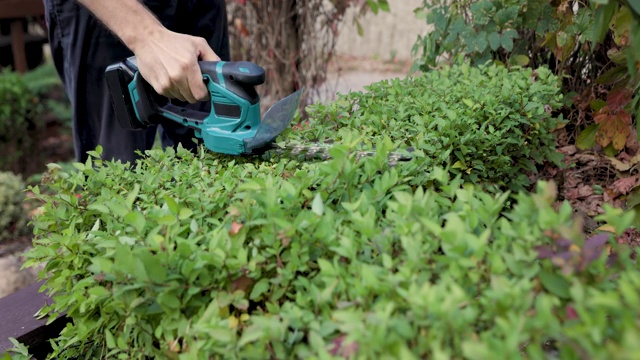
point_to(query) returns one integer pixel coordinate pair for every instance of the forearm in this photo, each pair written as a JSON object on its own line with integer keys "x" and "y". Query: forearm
{"x": 129, "y": 20}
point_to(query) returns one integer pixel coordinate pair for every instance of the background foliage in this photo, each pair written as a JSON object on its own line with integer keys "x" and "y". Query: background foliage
{"x": 12, "y": 212}
{"x": 19, "y": 126}
{"x": 294, "y": 40}
{"x": 31, "y": 102}
{"x": 594, "y": 46}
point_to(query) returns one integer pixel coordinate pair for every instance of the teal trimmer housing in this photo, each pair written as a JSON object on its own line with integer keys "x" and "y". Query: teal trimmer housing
{"x": 231, "y": 121}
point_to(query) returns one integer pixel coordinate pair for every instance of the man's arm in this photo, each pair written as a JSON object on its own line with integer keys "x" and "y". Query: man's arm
{"x": 166, "y": 59}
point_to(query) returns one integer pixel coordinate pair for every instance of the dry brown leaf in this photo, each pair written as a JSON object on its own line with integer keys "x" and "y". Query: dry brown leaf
{"x": 243, "y": 283}
{"x": 240, "y": 27}
{"x": 622, "y": 166}
{"x": 579, "y": 192}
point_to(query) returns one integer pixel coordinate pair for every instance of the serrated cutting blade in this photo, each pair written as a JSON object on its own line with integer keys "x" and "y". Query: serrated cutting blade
{"x": 274, "y": 122}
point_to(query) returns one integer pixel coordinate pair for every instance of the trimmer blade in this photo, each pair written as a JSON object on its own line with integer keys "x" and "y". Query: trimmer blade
{"x": 275, "y": 121}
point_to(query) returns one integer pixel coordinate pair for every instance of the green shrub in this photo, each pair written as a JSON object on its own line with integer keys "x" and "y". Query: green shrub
{"x": 19, "y": 129}
{"x": 490, "y": 124}
{"x": 209, "y": 257}
{"x": 13, "y": 217}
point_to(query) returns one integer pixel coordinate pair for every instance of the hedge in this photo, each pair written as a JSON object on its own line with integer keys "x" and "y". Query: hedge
{"x": 203, "y": 256}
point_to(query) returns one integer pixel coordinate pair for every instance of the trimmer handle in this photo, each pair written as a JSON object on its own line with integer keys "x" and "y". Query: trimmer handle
{"x": 236, "y": 81}
{"x": 239, "y": 77}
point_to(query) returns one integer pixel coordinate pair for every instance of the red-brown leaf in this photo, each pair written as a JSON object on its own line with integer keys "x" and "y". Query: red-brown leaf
{"x": 618, "y": 98}
{"x": 235, "y": 228}
{"x": 624, "y": 185}
{"x": 571, "y": 313}
{"x": 243, "y": 283}
{"x": 341, "y": 349}
{"x": 240, "y": 27}
{"x": 582, "y": 191}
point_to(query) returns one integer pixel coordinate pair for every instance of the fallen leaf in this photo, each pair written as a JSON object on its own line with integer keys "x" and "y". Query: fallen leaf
{"x": 624, "y": 185}
{"x": 624, "y": 166}
{"x": 568, "y": 150}
{"x": 579, "y": 192}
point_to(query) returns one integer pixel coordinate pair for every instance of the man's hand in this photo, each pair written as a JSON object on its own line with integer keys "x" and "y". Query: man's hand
{"x": 167, "y": 60}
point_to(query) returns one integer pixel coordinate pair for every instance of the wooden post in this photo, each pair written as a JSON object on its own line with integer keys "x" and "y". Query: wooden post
{"x": 18, "y": 46}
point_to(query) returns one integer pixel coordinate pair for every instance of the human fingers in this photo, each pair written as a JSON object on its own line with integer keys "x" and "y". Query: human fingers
{"x": 205, "y": 51}
{"x": 179, "y": 74}
{"x": 198, "y": 88}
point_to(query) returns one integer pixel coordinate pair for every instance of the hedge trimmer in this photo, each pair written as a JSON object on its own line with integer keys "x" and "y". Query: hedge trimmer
{"x": 232, "y": 125}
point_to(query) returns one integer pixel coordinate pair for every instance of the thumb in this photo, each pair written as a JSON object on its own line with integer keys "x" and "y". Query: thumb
{"x": 205, "y": 51}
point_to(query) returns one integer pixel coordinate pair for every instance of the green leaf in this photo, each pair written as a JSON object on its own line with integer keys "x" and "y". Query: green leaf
{"x": 251, "y": 334}
{"x": 587, "y": 137}
{"x": 597, "y": 104}
{"x": 506, "y": 42}
{"x": 135, "y": 219}
{"x": 98, "y": 207}
{"x": 167, "y": 219}
{"x": 359, "y": 27}
{"x": 554, "y": 283}
{"x": 169, "y": 299}
{"x": 111, "y": 343}
{"x": 373, "y": 5}
{"x": 494, "y": 41}
{"x": 603, "y": 16}
{"x": 133, "y": 194}
{"x": 172, "y": 204}
{"x": 634, "y": 38}
{"x": 384, "y": 5}
{"x": 98, "y": 291}
{"x": 259, "y": 288}
{"x": 152, "y": 266}
{"x": 520, "y": 60}
{"x": 318, "y": 205}
{"x": 117, "y": 207}
{"x": 124, "y": 261}
{"x": 185, "y": 213}
{"x": 633, "y": 5}
{"x": 633, "y": 198}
